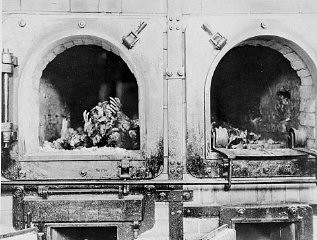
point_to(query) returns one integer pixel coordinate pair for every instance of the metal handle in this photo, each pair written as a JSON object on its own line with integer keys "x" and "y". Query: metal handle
{"x": 207, "y": 29}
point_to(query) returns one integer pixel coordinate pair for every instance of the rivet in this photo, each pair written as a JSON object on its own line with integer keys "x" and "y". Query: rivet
{"x": 162, "y": 196}
{"x": 170, "y": 18}
{"x": 179, "y": 211}
{"x": 172, "y": 170}
{"x": 171, "y": 27}
{"x": 186, "y": 196}
{"x": 179, "y": 170}
{"x": 263, "y": 25}
{"x": 177, "y": 19}
{"x": 292, "y": 210}
{"x": 172, "y": 163}
{"x": 83, "y": 173}
{"x": 169, "y": 73}
{"x": 172, "y": 213}
{"x": 22, "y": 174}
{"x": 81, "y": 24}
{"x": 179, "y": 163}
{"x": 22, "y": 23}
{"x": 177, "y": 28}
{"x": 241, "y": 211}
{"x": 180, "y": 72}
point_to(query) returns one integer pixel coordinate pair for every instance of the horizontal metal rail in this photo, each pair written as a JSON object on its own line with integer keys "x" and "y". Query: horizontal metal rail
{"x": 82, "y": 191}
{"x": 154, "y": 182}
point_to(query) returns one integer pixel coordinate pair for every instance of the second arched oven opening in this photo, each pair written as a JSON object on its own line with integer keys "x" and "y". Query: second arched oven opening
{"x": 260, "y": 89}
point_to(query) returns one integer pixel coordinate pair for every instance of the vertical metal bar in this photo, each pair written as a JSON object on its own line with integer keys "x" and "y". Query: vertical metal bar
{"x": 228, "y": 185}
{"x": 18, "y": 210}
{"x": 28, "y": 220}
{"x": 6, "y": 97}
{"x": 175, "y": 120}
{"x": 176, "y": 220}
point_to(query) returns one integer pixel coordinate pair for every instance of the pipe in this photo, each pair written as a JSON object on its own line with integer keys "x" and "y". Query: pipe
{"x": 155, "y": 182}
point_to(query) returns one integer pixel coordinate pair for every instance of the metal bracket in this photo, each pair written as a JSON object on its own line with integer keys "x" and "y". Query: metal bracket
{"x": 29, "y": 223}
{"x": 136, "y": 229}
{"x": 215, "y": 38}
{"x": 176, "y": 73}
{"x": 42, "y": 191}
{"x": 8, "y": 134}
{"x": 174, "y": 195}
{"x": 124, "y": 173}
{"x": 227, "y": 171}
{"x": 124, "y": 169}
{"x": 9, "y": 61}
{"x": 131, "y": 39}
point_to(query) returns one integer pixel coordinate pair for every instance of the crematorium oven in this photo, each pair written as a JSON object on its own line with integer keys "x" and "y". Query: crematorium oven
{"x": 157, "y": 121}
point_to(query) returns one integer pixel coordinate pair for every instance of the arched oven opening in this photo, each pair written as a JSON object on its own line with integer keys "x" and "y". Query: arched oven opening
{"x": 260, "y": 90}
{"x": 262, "y": 107}
{"x": 256, "y": 93}
{"x": 88, "y": 99}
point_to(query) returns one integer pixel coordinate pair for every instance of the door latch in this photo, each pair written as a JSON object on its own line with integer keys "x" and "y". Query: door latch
{"x": 215, "y": 38}
{"x": 131, "y": 39}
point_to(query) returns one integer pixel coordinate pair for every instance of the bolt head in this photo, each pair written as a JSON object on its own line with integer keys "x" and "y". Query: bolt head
{"x": 263, "y": 25}
{"x": 241, "y": 211}
{"x": 162, "y": 195}
{"x": 292, "y": 210}
{"x": 171, "y": 27}
{"x": 22, "y": 23}
{"x": 186, "y": 196}
{"x": 169, "y": 73}
{"x": 81, "y": 24}
{"x": 180, "y": 72}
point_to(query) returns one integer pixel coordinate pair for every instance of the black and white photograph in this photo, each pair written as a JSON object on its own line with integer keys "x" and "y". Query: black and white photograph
{"x": 158, "y": 120}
